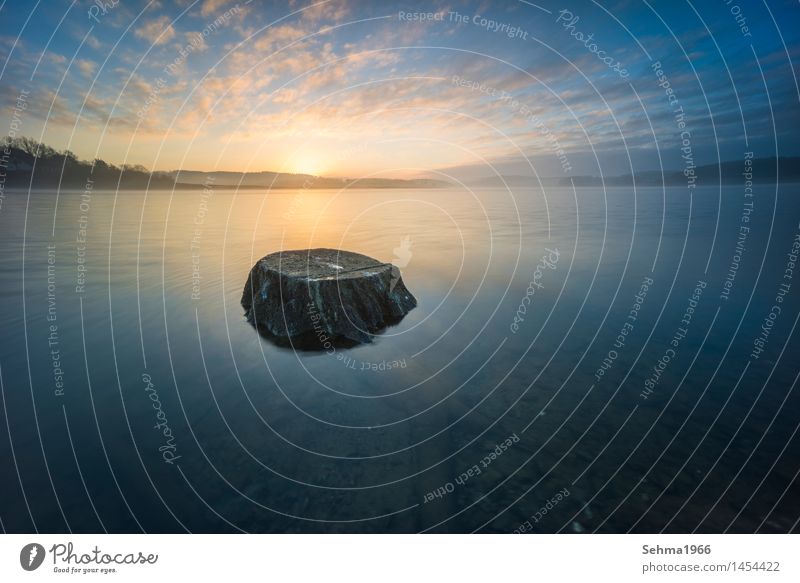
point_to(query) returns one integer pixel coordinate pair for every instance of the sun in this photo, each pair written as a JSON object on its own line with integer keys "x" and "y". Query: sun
{"x": 307, "y": 165}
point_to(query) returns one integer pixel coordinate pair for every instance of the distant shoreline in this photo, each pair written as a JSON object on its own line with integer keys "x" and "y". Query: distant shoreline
{"x": 28, "y": 164}
{"x": 216, "y": 187}
{"x": 254, "y": 189}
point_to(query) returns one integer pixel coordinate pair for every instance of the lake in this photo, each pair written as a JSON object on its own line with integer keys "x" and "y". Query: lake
{"x": 579, "y": 360}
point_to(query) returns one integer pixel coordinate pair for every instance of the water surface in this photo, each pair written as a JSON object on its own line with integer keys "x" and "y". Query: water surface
{"x": 143, "y": 327}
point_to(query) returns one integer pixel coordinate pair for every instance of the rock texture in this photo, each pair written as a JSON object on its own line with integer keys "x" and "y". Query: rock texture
{"x": 316, "y": 298}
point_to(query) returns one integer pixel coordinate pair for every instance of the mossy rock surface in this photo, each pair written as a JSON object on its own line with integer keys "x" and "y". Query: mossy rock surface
{"x": 311, "y": 298}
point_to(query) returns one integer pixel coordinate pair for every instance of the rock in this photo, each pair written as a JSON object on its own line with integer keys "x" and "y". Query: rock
{"x": 316, "y": 298}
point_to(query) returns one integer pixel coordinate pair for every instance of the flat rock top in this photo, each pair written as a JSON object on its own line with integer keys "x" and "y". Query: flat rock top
{"x": 322, "y": 264}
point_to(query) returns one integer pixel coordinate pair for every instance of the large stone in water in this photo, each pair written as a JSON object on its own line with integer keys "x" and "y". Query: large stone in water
{"x": 315, "y": 298}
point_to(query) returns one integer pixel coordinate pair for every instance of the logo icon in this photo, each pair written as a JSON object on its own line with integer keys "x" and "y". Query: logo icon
{"x": 402, "y": 257}
{"x": 31, "y": 556}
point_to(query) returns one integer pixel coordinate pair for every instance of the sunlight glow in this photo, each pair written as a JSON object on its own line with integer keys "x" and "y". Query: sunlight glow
{"x": 306, "y": 165}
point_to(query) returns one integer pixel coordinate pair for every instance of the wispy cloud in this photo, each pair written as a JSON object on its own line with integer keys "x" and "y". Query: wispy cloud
{"x": 157, "y": 31}
{"x": 338, "y": 74}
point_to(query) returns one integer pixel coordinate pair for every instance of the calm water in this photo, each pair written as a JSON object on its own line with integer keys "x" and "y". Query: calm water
{"x": 266, "y": 439}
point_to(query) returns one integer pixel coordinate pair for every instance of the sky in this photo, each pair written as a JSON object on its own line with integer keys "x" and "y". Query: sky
{"x": 404, "y": 89}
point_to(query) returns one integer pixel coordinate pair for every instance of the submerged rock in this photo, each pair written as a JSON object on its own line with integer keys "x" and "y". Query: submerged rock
{"x": 316, "y": 298}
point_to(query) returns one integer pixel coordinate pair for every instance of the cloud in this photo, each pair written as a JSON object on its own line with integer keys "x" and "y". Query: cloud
{"x": 93, "y": 42}
{"x": 363, "y": 80}
{"x": 279, "y": 36}
{"x": 211, "y": 6}
{"x": 157, "y": 31}
{"x": 86, "y": 66}
{"x": 197, "y": 41}
{"x": 335, "y": 10}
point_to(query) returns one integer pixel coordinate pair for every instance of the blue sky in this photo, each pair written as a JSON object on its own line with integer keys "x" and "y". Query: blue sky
{"x": 353, "y": 88}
